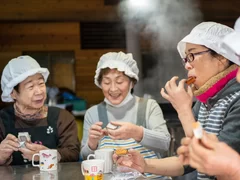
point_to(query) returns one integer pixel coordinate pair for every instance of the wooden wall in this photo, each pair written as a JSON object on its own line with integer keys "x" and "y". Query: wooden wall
{"x": 16, "y": 38}
{"x": 222, "y": 11}
{"x": 92, "y": 10}
{"x": 53, "y": 25}
{"x": 56, "y": 10}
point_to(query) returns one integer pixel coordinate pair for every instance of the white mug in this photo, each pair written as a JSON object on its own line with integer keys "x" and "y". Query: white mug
{"x": 47, "y": 160}
{"x": 93, "y": 169}
{"x": 106, "y": 155}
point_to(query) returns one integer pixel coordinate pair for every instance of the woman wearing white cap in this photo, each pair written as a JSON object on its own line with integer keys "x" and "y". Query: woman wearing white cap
{"x": 211, "y": 156}
{"x": 140, "y": 122}
{"x": 215, "y": 88}
{"x": 28, "y": 126}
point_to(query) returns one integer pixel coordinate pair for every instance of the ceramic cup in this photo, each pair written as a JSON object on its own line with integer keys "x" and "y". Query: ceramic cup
{"x": 47, "y": 160}
{"x": 93, "y": 169}
{"x": 106, "y": 155}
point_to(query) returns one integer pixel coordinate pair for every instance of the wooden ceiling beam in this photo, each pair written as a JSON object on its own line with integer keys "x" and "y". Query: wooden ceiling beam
{"x": 96, "y": 15}
{"x": 97, "y": 10}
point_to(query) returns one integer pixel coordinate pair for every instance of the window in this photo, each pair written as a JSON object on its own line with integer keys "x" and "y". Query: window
{"x": 60, "y": 66}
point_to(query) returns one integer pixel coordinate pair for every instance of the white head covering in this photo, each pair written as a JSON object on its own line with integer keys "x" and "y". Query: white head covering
{"x": 232, "y": 41}
{"x": 120, "y": 61}
{"x": 16, "y": 71}
{"x": 209, "y": 34}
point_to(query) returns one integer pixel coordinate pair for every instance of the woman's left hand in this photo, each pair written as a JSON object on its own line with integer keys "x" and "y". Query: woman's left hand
{"x": 126, "y": 130}
{"x": 133, "y": 160}
{"x": 31, "y": 149}
{"x": 180, "y": 99}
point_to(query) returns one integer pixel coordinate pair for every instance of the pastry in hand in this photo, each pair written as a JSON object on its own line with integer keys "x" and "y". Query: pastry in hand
{"x": 111, "y": 126}
{"x": 190, "y": 80}
{"x": 197, "y": 130}
{"x": 121, "y": 151}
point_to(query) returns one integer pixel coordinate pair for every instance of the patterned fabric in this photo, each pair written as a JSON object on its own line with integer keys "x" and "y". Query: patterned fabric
{"x": 40, "y": 114}
{"x": 212, "y": 119}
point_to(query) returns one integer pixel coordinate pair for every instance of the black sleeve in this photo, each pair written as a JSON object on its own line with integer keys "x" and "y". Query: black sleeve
{"x": 188, "y": 169}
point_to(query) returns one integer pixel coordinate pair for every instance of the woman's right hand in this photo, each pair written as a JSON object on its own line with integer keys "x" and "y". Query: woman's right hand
{"x": 212, "y": 157}
{"x": 176, "y": 94}
{"x": 95, "y": 134}
{"x": 7, "y": 147}
{"x": 133, "y": 160}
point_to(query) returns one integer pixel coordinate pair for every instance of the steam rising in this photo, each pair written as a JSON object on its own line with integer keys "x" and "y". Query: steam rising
{"x": 165, "y": 22}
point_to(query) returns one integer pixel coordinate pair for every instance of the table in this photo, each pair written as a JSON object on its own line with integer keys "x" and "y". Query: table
{"x": 66, "y": 171}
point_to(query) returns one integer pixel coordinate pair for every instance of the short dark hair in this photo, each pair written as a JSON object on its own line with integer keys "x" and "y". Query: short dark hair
{"x": 16, "y": 88}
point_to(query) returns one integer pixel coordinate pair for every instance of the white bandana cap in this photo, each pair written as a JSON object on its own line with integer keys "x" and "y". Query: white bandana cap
{"x": 209, "y": 34}
{"x": 120, "y": 61}
{"x": 16, "y": 71}
{"x": 232, "y": 42}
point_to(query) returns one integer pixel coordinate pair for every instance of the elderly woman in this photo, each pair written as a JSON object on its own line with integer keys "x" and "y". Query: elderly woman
{"x": 23, "y": 82}
{"x": 140, "y": 121}
{"x": 209, "y": 155}
{"x": 215, "y": 88}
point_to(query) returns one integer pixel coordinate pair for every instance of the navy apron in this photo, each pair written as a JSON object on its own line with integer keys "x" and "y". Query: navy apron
{"x": 45, "y": 135}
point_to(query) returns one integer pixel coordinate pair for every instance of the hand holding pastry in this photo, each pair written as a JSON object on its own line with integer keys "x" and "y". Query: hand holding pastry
{"x": 213, "y": 157}
{"x": 111, "y": 126}
{"x": 134, "y": 160}
{"x": 176, "y": 94}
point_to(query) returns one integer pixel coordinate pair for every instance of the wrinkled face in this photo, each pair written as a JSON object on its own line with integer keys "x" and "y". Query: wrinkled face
{"x": 32, "y": 92}
{"x": 204, "y": 65}
{"x": 115, "y": 86}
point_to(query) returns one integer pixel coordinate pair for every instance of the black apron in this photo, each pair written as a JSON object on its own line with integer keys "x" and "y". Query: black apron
{"x": 46, "y": 135}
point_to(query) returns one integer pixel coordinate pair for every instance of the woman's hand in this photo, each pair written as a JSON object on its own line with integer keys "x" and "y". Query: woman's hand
{"x": 7, "y": 147}
{"x": 212, "y": 157}
{"x": 95, "y": 134}
{"x": 126, "y": 130}
{"x": 183, "y": 150}
{"x": 31, "y": 149}
{"x": 133, "y": 160}
{"x": 180, "y": 99}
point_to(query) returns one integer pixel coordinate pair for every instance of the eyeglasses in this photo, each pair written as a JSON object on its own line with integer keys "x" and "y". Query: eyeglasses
{"x": 191, "y": 56}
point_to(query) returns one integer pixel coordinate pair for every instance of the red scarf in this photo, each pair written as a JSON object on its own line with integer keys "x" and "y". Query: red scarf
{"x": 215, "y": 84}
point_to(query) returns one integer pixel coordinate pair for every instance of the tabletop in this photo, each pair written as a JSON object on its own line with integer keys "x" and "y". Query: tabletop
{"x": 66, "y": 171}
